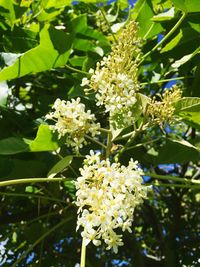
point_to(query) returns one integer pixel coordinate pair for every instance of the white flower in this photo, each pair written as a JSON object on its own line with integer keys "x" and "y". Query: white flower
{"x": 115, "y": 78}
{"x": 72, "y": 121}
{"x": 107, "y": 194}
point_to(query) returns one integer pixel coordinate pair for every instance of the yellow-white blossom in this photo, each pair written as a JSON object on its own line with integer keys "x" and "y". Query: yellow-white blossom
{"x": 107, "y": 194}
{"x": 163, "y": 111}
{"x": 73, "y": 122}
{"x": 115, "y": 78}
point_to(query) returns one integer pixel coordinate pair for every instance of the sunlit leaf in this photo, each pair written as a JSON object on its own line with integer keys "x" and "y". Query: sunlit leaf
{"x": 53, "y": 51}
{"x": 45, "y": 140}
{"x": 60, "y": 166}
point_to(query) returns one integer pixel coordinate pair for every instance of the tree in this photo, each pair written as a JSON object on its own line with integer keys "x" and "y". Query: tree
{"x": 48, "y": 49}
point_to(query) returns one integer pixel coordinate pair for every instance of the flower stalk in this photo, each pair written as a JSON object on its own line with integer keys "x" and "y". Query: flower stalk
{"x": 83, "y": 254}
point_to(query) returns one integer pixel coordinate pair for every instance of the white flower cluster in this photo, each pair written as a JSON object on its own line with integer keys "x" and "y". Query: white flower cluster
{"x": 115, "y": 77}
{"x": 72, "y": 121}
{"x": 107, "y": 195}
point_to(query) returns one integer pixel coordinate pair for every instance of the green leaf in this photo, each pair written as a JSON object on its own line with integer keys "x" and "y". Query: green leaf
{"x": 115, "y": 132}
{"x": 48, "y": 14}
{"x": 143, "y": 101}
{"x": 185, "y": 36}
{"x": 45, "y": 140}
{"x": 32, "y": 189}
{"x": 55, "y": 3}
{"x": 77, "y": 61}
{"x": 175, "y": 151}
{"x": 123, "y": 4}
{"x": 167, "y": 15}
{"x": 8, "y": 11}
{"x": 84, "y": 45}
{"x": 182, "y": 61}
{"x": 189, "y": 109}
{"x": 143, "y": 13}
{"x": 13, "y": 145}
{"x": 19, "y": 40}
{"x": 79, "y": 24}
{"x": 196, "y": 82}
{"x": 60, "y": 166}
{"x": 53, "y": 51}
{"x": 187, "y": 5}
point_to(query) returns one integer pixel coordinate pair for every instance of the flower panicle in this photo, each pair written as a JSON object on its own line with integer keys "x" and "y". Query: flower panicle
{"x": 73, "y": 122}
{"x": 115, "y": 78}
{"x": 163, "y": 110}
{"x": 107, "y": 194}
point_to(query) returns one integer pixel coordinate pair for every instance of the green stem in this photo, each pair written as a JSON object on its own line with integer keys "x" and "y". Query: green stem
{"x": 83, "y": 254}
{"x": 109, "y": 145}
{"x": 47, "y": 214}
{"x": 132, "y": 135}
{"x": 149, "y": 30}
{"x": 76, "y": 70}
{"x": 95, "y": 141}
{"x": 124, "y": 136}
{"x": 40, "y": 239}
{"x": 30, "y": 180}
{"x": 173, "y": 178}
{"x": 166, "y": 36}
{"x": 166, "y": 80}
{"x": 104, "y": 130}
{"x": 43, "y": 216}
{"x": 145, "y": 143}
{"x": 31, "y": 195}
{"x": 178, "y": 185}
{"x": 104, "y": 16}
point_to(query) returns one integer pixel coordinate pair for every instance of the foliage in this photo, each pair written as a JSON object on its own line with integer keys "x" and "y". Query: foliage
{"x": 47, "y": 48}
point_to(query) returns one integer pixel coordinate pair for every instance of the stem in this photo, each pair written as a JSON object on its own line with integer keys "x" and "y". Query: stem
{"x": 95, "y": 141}
{"x": 104, "y": 130}
{"x": 149, "y": 30}
{"x": 132, "y": 135}
{"x": 40, "y": 239}
{"x": 76, "y": 70}
{"x": 166, "y": 37}
{"x": 30, "y": 180}
{"x": 31, "y": 195}
{"x": 124, "y": 136}
{"x": 43, "y": 216}
{"x": 83, "y": 254}
{"x": 166, "y": 80}
{"x": 104, "y": 16}
{"x": 170, "y": 177}
{"x": 145, "y": 143}
{"x": 109, "y": 145}
{"x": 178, "y": 185}
{"x": 47, "y": 214}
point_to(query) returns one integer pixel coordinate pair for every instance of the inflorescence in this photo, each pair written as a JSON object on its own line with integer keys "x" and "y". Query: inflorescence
{"x": 163, "y": 110}
{"x": 107, "y": 194}
{"x": 115, "y": 78}
{"x": 73, "y": 122}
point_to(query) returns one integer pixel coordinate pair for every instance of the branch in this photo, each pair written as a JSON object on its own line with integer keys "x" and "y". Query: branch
{"x": 40, "y": 239}
{"x": 166, "y": 36}
{"x": 31, "y": 180}
{"x": 173, "y": 178}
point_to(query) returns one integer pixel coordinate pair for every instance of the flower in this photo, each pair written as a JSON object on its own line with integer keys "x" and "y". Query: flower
{"x": 107, "y": 194}
{"x": 72, "y": 121}
{"x": 163, "y": 111}
{"x": 115, "y": 78}
{"x": 101, "y": 22}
